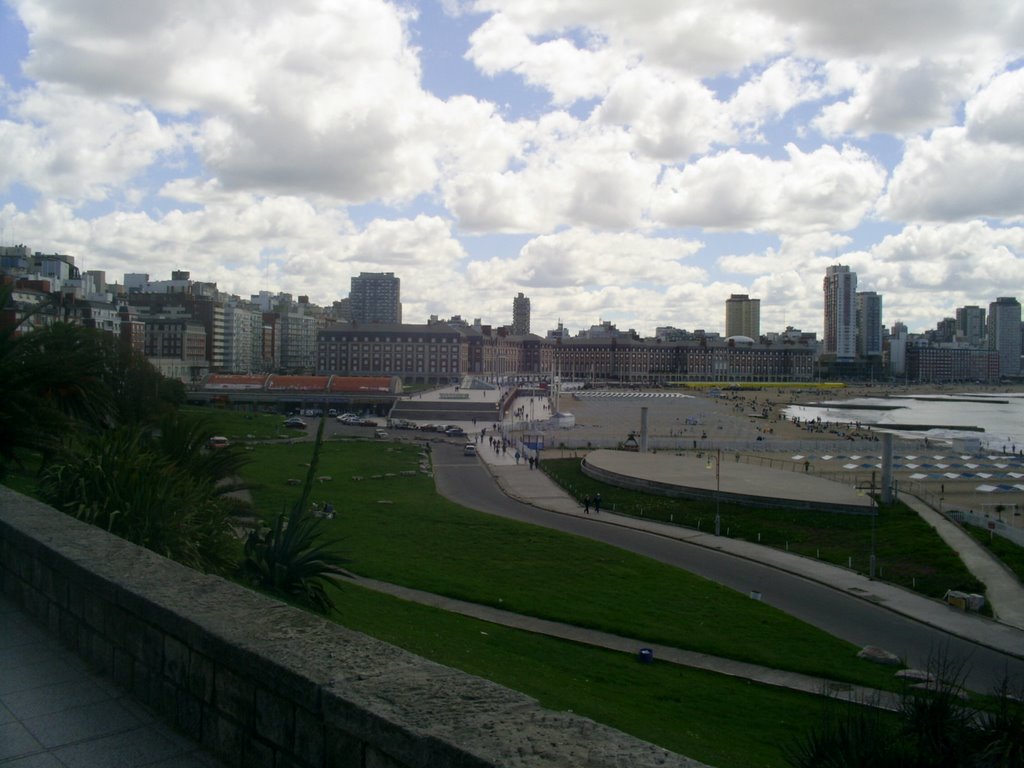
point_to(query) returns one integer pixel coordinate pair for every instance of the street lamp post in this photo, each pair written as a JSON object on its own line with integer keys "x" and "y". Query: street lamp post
{"x": 718, "y": 488}
{"x": 871, "y": 561}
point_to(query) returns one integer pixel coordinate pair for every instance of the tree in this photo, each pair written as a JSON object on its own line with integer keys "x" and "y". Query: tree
{"x": 51, "y": 382}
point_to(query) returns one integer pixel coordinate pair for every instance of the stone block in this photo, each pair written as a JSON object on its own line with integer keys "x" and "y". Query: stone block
{"x": 100, "y": 651}
{"x": 234, "y": 696}
{"x": 189, "y": 715}
{"x": 164, "y": 698}
{"x": 176, "y": 660}
{"x": 341, "y": 749}
{"x": 200, "y": 677}
{"x": 275, "y": 719}
{"x": 308, "y": 746}
{"x": 377, "y": 759}
{"x": 94, "y": 612}
{"x": 223, "y": 737}
{"x": 124, "y": 666}
{"x": 258, "y": 754}
{"x": 143, "y": 681}
{"x": 69, "y": 627}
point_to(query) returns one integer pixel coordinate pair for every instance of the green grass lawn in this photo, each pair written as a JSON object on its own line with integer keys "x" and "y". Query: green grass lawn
{"x": 1012, "y": 555}
{"x": 395, "y": 528}
{"x": 909, "y": 551}
{"x": 718, "y": 720}
{"x": 237, "y": 426}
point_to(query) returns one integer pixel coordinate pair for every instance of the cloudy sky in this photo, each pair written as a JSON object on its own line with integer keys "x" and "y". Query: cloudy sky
{"x": 635, "y": 162}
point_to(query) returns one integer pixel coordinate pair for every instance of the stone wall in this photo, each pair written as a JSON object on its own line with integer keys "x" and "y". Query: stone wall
{"x": 260, "y": 683}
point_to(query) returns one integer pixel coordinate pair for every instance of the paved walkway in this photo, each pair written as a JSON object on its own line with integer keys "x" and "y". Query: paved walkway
{"x": 55, "y": 711}
{"x": 764, "y": 675}
{"x": 1005, "y": 592}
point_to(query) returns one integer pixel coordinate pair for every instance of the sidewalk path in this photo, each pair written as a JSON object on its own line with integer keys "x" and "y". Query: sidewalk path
{"x": 534, "y": 487}
{"x": 1003, "y": 590}
{"x": 764, "y": 675}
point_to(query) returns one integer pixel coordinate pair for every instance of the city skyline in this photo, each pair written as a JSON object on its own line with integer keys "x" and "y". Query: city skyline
{"x": 637, "y": 165}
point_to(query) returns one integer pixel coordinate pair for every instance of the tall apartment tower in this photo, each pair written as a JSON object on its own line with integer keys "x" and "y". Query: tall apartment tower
{"x": 375, "y": 297}
{"x": 521, "y": 315}
{"x": 840, "y": 288}
{"x": 970, "y": 324}
{"x": 869, "y": 324}
{"x": 743, "y": 316}
{"x": 1004, "y": 334}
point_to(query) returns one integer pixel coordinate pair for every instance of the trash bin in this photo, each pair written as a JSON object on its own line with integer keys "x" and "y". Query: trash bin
{"x": 646, "y": 655}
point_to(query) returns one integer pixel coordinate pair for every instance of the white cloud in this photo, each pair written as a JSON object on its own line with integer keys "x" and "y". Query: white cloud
{"x": 568, "y": 174}
{"x": 997, "y": 112}
{"x": 568, "y": 72}
{"x": 824, "y": 189}
{"x": 585, "y": 259}
{"x": 947, "y": 177}
{"x": 669, "y": 118}
{"x": 904, "y": 97}
{"x": 70, "y": 146}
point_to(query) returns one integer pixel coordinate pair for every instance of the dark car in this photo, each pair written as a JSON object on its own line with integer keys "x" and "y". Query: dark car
{"x": 295, "y": 423}
{"x": 455, "y": 432}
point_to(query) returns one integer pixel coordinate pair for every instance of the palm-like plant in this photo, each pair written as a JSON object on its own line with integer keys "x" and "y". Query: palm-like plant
{"x": 117, "y": 481}
{"x": 290, "y": 559}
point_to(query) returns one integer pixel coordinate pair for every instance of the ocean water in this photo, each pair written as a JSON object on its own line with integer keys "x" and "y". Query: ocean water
{"x": 1001, "y": 416}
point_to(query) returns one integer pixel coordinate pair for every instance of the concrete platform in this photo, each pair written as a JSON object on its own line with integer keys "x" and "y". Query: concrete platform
{"x": 689, "y": 476}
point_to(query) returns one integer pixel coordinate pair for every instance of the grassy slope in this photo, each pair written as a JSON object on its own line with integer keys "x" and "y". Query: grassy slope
{"x": 721, "y": 721}
{"x": 909, "y": 551}
{"x": 420, "y": 540}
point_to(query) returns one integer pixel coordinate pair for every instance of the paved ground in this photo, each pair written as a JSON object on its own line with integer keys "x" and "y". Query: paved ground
{"x": 55, "y": 712}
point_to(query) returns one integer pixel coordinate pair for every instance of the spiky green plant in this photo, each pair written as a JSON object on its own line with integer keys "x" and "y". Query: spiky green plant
{"x": 291, "y": 558}
{"x": 117, "y": 480}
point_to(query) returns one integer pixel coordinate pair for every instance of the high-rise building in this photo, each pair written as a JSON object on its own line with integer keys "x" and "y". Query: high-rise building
{"x": 840, "y": 288}
{"x": 970, "y": 324}
{"x": 869, "y": 324}
{"x": 1004, "y": 334}
{"x": 521, "y": 315}
{"x": 375, "y": 297}
{"x": 743, "y": 316}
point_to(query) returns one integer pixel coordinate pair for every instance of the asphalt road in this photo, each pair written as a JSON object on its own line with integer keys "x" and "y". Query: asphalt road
{"x": 465, "y": 481}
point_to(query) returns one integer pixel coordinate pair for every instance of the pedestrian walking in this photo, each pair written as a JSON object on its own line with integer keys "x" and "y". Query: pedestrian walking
{"x": 597, "y": 503}
{"x": 530, "y": 460}
{"x": 517, "y": 457}
{"x": 586, "y": 505}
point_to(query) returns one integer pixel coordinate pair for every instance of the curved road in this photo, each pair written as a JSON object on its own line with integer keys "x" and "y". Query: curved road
{"x": 465, "y": 481}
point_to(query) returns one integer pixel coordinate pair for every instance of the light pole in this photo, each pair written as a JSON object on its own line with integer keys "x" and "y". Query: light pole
{"x": 718, "y": 488}
{"x": 874, "y": 514}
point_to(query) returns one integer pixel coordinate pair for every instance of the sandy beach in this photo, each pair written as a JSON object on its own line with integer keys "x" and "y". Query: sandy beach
{"x": 757, "y": 415}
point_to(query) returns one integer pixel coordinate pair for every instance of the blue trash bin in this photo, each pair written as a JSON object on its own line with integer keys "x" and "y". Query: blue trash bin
{"x": 646, "y": 656}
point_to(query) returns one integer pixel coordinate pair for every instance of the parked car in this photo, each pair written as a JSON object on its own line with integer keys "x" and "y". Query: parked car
{"x": 348, "y": 418}
{"x": 455, "y": 432}
{"x": 366, "y": 423}
{"x": 380, "y": 434}
{"x": 469, "y": 449}
{"x": 428, "y": 427}
{"x": 218, "y": 441}
{"x": 295, "y": 423}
